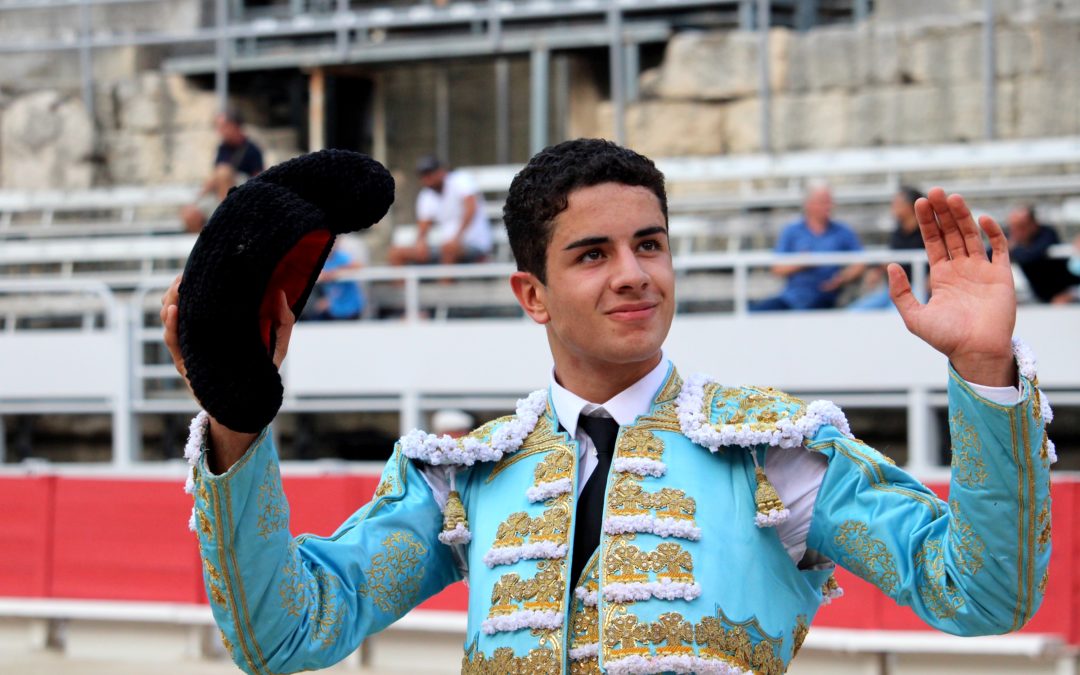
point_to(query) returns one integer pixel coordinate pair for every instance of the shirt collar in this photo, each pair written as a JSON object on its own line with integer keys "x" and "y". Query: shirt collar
{"x": 624, "y": 407}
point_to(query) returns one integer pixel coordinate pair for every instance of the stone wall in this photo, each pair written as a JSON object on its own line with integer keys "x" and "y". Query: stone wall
{"x": 884, "y": 82}
{"x": 150, "y": 129}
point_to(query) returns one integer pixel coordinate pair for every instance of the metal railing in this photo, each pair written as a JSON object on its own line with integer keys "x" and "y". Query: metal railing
{"x": 131, "y": 331}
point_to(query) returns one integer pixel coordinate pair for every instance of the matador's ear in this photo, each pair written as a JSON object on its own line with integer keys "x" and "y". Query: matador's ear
{"x": 271, "y": 234}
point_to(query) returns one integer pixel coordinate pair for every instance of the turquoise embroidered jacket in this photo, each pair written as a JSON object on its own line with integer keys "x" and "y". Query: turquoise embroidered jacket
{"x": 689, "y": 576}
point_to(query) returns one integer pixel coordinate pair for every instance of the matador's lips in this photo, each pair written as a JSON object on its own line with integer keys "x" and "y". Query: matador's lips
{"x": 633, "y": 311}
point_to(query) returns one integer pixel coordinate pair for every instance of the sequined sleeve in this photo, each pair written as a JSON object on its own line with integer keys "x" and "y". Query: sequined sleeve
{"x": 285, "y": 603}
{"x": 972, "y": 566}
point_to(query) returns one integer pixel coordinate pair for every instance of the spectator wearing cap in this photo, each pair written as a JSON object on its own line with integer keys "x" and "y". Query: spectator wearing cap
{"x": 452, "y": 423}
{"x": 451, "y": 226}
{"x": 237, "y": 159}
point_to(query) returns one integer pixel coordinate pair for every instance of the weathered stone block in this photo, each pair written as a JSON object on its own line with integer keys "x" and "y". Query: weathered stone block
{"x": 810, "y": 121}
{"x": 47, "y": 142}
{"x": 874, "y": 117}
{"x": 1047, "y": 106}
{"x": 880, "y": 55}
{"x": 742, "y": 126}
{"x": 720, "y": 65}
{"x": 675, "y": 128}
{"x": 824, "y": 58}
{"x": 946, "y": 55}
{"x": 1017, "y": 50}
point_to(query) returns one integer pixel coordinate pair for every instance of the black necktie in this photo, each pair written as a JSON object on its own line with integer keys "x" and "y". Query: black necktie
{"x": 590, "y": 508}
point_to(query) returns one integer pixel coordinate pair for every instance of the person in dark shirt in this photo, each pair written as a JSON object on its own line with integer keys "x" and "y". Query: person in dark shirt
{"x": 237, "y": 159}
{"x": 906, "y": 236}
{"x": 1029, "y": 242}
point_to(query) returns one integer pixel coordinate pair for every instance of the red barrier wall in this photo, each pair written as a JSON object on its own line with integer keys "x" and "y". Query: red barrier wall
{"x": 127, "y": 539}
{"x": 26, "y": 521}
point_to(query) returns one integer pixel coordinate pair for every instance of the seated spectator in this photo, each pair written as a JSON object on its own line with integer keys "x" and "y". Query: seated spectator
{"x": 906, "y": 236}
{"x": 452, "y": 423}
{"x": 237, "y": 159}
{"x": 334, "y": 298}
{"x": 449, "y": 203}
{"x": 813, "y": 287}
{"x": 1029, "y": 242}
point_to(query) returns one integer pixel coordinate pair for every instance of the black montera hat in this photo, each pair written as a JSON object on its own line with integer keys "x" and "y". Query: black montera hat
{"x": 272, "y": 233}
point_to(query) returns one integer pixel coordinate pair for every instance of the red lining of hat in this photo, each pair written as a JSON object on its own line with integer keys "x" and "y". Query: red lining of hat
{"x": 292, "y": 274}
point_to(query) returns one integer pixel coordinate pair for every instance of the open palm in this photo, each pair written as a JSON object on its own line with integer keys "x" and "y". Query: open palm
{"x": 972, "y": 308}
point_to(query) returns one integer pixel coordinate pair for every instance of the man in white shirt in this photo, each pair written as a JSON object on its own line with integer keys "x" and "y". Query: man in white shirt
{"x": 449, "y": 209}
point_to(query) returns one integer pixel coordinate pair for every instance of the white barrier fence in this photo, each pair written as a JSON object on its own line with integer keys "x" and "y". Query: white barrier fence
{"x": 114, "y": 362}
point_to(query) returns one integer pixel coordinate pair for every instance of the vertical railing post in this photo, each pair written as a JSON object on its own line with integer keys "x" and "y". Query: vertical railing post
{"x": 764, "y": 87}
{"x": 616, "y": 56}
{"x": 123, "y": 404}
{"x": 502, "y": 110}
{"x": 222, "y": 49}
{"x": 539, "y": 85}
{"x": 989, "y": 71}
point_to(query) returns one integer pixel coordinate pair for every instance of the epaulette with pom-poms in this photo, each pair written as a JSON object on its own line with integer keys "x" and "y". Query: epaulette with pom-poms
{"x": 489, "y": 443}
{"x": 714, "y": 416}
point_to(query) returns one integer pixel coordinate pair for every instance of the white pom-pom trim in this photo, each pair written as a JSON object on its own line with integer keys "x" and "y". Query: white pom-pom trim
{"x": 772, "y": 518}
{"x": 1045, "y": 411}
{"x": 521, "y": 619}
{"x": 661, "y": 527}
{"x": 1025, "y": 358}
{"x": 833, "y": 594}
{"x": 192, "y": 453}
{"x": 508, "y": 555}
{"x": 506, "y": 438}
{"x": 1051, "y": 451}
{"x": 545, "y": 491}
{"x": 589, "y": 651}
{"x": 459, "y": 535}
{"x": 786, "y": 433}
{"x": 587, "y": 597}
{"x": 684, "y": 665}
{"x": 664, "y": 589}
{"x": 641, "y": 466}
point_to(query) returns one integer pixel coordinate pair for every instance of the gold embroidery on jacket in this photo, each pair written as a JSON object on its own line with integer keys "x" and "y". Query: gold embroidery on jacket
{"x": 273, "y": 511}
{"x": 393, "y": 582}
{"x": 504, "y": 662}
{"x": 968, "y": 548}
{"x": 543, "y": 592}
{"x": 386, "y": 486}
{"x": 968, "y": 468}
{"x": 1044, "y": 527}
{"x": 628, "y": 498}
{"x": 798, "y": 636}
{"x": 329, "y": 610}
{"x": 543, "y": 438}
{"x": 552, "y": 525}
{"x": 717, "y": 638}
{"x": 758, "y": 408}
{"x": 636, "y": 441}
{"x": 867, "y": 557}
{"x": 1043, "y": 582}
{"x": 937, "y": 593}
{"x": 226, "y": 643}
{"x": 626, "y": 563}
{"x": 556, "y": 466}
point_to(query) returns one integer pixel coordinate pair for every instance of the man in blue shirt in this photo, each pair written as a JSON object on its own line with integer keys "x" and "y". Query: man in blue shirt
{"x": 813, "y": 287}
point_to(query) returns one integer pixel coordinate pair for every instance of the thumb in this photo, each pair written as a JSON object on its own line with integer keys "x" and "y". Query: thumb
{"x": 283, "y": 331}
{"x": 900, "y": 292}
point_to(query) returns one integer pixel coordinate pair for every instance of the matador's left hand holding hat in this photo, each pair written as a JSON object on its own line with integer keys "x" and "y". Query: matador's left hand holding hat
{"x": 271, "y": 234}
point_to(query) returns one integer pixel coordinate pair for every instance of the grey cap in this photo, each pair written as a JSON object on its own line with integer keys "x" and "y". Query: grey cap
{"x": 427, "y": 164}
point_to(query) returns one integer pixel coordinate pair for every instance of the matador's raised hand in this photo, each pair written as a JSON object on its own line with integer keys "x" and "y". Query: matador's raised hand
{"x": 972, "y": 308}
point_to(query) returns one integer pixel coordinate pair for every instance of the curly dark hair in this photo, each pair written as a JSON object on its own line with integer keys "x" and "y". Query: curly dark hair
{"x": 541, "y": 191}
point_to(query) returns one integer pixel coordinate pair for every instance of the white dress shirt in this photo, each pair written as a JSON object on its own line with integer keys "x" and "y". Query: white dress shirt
{"x": 795, "y": 472}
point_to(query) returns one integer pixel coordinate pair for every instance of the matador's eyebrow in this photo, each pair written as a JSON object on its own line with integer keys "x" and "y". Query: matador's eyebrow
{"x": 598, "y": 241}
